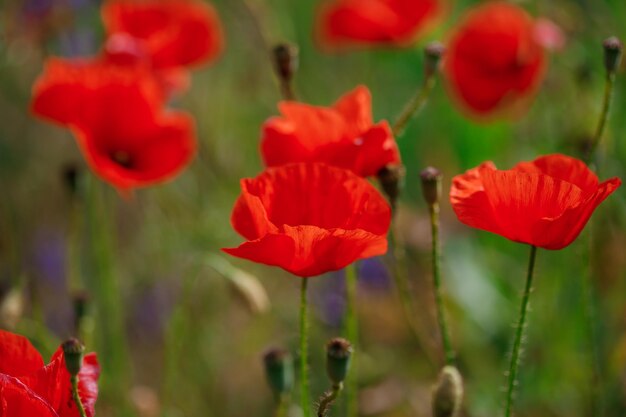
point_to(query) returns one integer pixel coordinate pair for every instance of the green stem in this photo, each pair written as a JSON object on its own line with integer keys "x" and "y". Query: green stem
{"x": 401, "y": 280}
{"x": 328, "y": 398}
{"x": 282, "y": 404}
{"x": 352, "y": 334}
{"x": 519, "y": 335}
{"x": 415, "y": 104}
{"x": 604, "y": 115}
{"x": 436, "y": 265}
{"x": 304, "y": 368}
{"x": 79, "y": 404}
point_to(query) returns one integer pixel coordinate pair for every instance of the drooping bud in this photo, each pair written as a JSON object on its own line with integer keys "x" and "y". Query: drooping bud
{"x": 612, "y": 54}
{"x": 338, "y": 357}
{"x": 285, "y": 60}
{"x": 73, "y": 352}
{"x": 432, "y": 56}
{"x": 431, "y": 185}
{"x": 279, "y": 370}
{"x": 391, "y": 180}
{"x": 448, "y": 393}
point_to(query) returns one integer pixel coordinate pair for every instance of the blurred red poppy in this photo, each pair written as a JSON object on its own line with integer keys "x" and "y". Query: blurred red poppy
{"x": 342, "y": 135}
{"x": 170, "y": 33}
{"x": 375, "y": 22}
{"x": 310, "y": 219}
{"x": 495, "y": 59}
{"x": 545, "y": 203}
{"x": 42, "y": 390}
{"x": 117, "y": 117}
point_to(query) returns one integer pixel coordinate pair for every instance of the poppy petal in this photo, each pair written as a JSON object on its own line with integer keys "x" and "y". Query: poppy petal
{"x": 17, "y": 355}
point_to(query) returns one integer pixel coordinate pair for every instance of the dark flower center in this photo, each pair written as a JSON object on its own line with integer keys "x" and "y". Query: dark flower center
{"x": 122, "y": 158}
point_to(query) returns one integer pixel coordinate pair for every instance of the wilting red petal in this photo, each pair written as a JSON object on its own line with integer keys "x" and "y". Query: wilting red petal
{"x": 375, "y": 22}
{"x": 175, "y": 33}
{"x": 545, "y": 203}
{"x": 17, "y": 355}
{"x": 342, "y": 135}
{"x": 310, "y": 219}
{"x": 17, "y": 400}
{"x": 493, "y": 63}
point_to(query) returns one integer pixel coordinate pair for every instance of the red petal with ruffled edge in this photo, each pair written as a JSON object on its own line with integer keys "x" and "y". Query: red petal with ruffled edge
{"x": 545, "y": 203}
{"x": 310, "y": 219}
{"x": 17, "y": 400}
{"x": 175, "y": 33}
{"x": 342, "y": 135}
{"x": 493, "y": 63}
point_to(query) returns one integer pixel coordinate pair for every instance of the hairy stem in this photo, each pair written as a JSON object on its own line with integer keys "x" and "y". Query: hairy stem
{"x": 327, "y": 399}
{"x": 304, "y": 367}
{"x": 352, "y": 334}
{"x": 76, "y": 397}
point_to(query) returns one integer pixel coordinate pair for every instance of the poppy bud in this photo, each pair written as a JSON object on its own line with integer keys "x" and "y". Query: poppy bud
{"x": 338, "y": 355}
{"x": 448, "y": 393}
{"x": 73, "y": 351}
{"x": 431, "y": 185}
{"x": 80, "y": 301}
{"x": 279, "y": 370}
{"x": 432, "y": 56}
{"x": 71, "y": 177}
{"x": 612, "y": 53}
{"x": 391, "y": 178}
{"x": 285, "y": 60}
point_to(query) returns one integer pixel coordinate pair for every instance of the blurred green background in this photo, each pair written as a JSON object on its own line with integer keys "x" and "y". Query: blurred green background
{"x": 180, "y": 329}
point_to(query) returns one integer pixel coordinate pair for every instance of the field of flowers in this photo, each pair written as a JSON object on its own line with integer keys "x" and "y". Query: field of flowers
{"x": 312, "y": 207}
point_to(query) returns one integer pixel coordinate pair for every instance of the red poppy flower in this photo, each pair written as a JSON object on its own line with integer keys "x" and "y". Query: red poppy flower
{"x": 495, "y": 59}
{"x": 343, "y": 135}
{"x": 45, "y": 390}
{"x": 172, "y": 33}
{"x": 545, "y": 203}
{"x": 375, "y": 22}
{"x": 116, "y": 116}
{"x": 310, "y": 219}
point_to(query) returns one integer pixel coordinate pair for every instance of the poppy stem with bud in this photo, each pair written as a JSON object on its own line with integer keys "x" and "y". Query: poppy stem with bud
{"x": 352, "y": 333}
{"x": 519, "y": 335}
{"x": 304, "y": 355}
{"x": 339, "y": 354}
{"x": 431, "y": 189}
{"x": 73, "y": 352}
{"x": 279, "y": 373}
{"x": 285, "y": 57}
{"x": 432, "y": 56}
{"x": 612, "y": 58}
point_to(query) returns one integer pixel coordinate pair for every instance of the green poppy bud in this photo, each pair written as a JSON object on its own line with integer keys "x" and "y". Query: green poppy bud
{"x": 279, "y": 370}
{"x": 73, "y": 351}
{"x": 612, "y": 53}
{"x": 431, "y": 185}
{"x": 338, "y": 355}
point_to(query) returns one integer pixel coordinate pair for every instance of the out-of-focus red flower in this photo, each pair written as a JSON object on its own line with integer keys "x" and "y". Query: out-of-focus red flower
{"x": 170, "y": 33}
{"x": 310, "y": 219}
{"x": 375, "y": 22}
{"x": 117, "y": 117}
{"x": 495, "y": 59}
{"x": 26, "y": 384}
{"x": 545, "y": 203}
{"x": 343, "y": 135}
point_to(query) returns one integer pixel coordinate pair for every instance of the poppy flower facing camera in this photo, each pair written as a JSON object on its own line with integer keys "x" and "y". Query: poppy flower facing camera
{"x": 375, "y": 22}
{"x": 495, "y": 59}
{"x": 116, "y": 115}
{"x": 28, "y": 387}
{"x": 168, "y": 33}
{"x": 343, "y": 135}
{"x": 309, "y": 219}
{"x": 544, "y": 203}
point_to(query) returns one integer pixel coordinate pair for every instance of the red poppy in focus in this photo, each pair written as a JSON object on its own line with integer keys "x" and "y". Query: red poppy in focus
{"x": 310, "y": 219}
{"x": 171, "y": 33}
{"x": 375, "y": 22}
{"x": 545, "y": 203}
{"x": 117, "y": 117}
{"x": 343, "y": 135}
{"x": 30, "y": 387}
{"x": 495, "y": 59}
